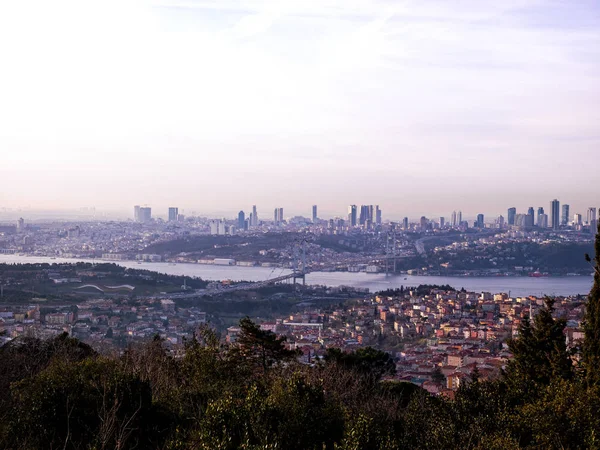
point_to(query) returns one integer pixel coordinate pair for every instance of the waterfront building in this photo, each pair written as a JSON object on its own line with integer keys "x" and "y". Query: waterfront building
{"x": 592, "y": 220}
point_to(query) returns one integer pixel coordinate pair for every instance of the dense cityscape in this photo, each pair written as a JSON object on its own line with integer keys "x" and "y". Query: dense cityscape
{"x": 299, "y": 225}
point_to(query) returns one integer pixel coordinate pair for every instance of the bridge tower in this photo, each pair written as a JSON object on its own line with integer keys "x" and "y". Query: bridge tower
{"x": 299, "y": 263}
{"x": 390, "y": 253}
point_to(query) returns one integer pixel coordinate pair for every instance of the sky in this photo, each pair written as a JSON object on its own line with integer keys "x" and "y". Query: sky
{"x": 422, "y": 107}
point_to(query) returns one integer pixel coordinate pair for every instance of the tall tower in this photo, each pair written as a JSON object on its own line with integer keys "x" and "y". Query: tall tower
{"x": 280, "y": 215}
{"x": 276, "y": 215}
{"x": 459, "y": 217}
{"x": 565, "y": 215}
{"x": 592, "y": 220}
{"x": 530, "y": 217}
{"x": 377, "y": 215}
{"x": 173, "y": 214}
{"x": 241, "y": 220}
{"x": 405, "y": 223}
{"x": 352, "y": 215}
{"x": 254, "y": 216}
{"x": 314, "y": 213}
{"x": 136, "y": 213}
{"x": 453, "y": 221}
{"x": 512, "y": 213}
{"x": 480, "y": 221}
{"x": 555, "y": 209}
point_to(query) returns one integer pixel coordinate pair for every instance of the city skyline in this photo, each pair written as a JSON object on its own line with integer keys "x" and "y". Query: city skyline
{"x": 213, "y": 105}
{"x": 172, "y": 212}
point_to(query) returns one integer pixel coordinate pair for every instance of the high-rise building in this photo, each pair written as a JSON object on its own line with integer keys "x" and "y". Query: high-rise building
{"x": 565, "y": 215}
{"x": 352, "y": 215}
{"x": 424, "y": 222}
{"x": 540, "y": 211}
{"x": 459, "y": 218}
{"x": 531, "y": 214}
{"x": 254, "y": 222}
{"x": 442, "y": 222}
{"x": 453, "y": 221}
{"x": 555, "y": 210}
{"x": 543, "y": 220}
{"x": 136, "y": 213}
{"x": 145, "y": 214}
{"x": 241, "y": 220}
{"x": 314, "y": 213}
{"x": 577, "y": 220}
{"x": 512, "y": 213}
{"x": 592, "y": 220}
{"x": 173, "y": 214}
{"x": 20, "y": 225}
{"x": 500, "y": 222}
{"x": 276, "y": 215}
{"x": 377, "y": 215}
{"x": 405, "y": 223}
{"x": 480, "y": 223}
{"x": 280, "y": 215}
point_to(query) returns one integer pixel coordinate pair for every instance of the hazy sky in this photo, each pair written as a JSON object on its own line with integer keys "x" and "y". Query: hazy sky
{"x": 420, "y": 106}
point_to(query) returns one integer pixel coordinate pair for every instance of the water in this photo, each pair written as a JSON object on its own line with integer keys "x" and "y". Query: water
{"x": 517, "y": 286}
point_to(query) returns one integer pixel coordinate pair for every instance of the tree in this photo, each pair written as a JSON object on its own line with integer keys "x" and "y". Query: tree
{"x": 590, "y": 357}
{"x": 366, "y": 360}
{"x": 437, "y": 376}
{"x": 261, "y": 348}
{"x": 540, "y": 352}
{"x": 89, "y": 404}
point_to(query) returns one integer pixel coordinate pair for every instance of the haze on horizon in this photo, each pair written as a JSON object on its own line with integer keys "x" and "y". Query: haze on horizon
{"x": 422, "y": 107}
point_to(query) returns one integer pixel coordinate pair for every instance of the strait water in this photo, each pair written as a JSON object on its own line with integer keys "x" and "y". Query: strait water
{"x": 517, "y": 286}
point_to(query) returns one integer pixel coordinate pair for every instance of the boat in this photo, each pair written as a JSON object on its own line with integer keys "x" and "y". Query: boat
{"x": 537, "y": 274}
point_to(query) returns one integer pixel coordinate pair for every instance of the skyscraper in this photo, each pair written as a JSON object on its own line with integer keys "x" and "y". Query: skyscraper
{"x": 480, "y": 221}
{"x": 540, "y": 211}
{"x": 531, "y": 218}
{"x": 280, "y": 215}
{"x": 276, "y": 215}
{"x": 555, "y": 210}
{"x": 500, "y": 222}
{"x": 364, "y": 214}
{"x": 136, "y": 213}
{"x": 405, "y": 223}
{"x": 442, "y": 222}
{"x": 577, "y": 220}
{"x": 173, "y": 214}
{"x": 512, "y": 213}
{"x": 453, "y": 222}
{"x": 314, "y": 213}
{"x": 241, "y": 220}
{"x": 352, "y": 215}
{"x": 592, "y": 220}
{"x": 377, "y": 215}
{"x": 459, "y": 217}
{"x": 254, "y": 222}
{"x": 565, "y": 215}
{"x": 145, "y": 214}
